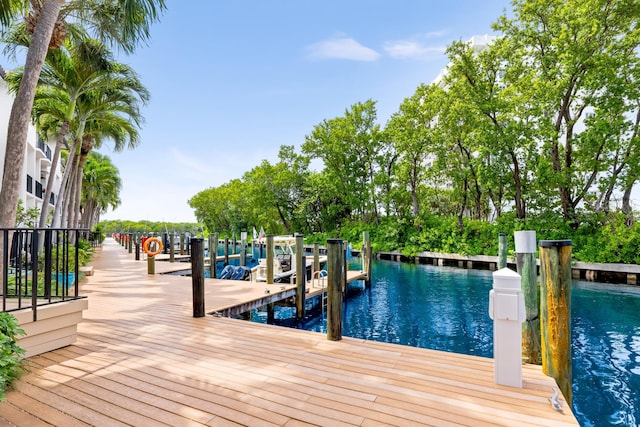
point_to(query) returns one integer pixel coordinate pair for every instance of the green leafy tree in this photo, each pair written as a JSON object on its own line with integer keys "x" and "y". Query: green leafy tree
{"x": 504, "y": 147}
{"x": 412, "y": 132}
{"x": 26, "y": 217}
{"x": 459, "y": 142}
{"x": 277, "y": 190}
{"x": 350, "y": 148}
{"x": 576, "y": 54}
{"x": 223, "y": 208}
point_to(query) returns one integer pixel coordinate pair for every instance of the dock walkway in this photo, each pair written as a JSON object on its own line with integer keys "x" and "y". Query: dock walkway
{"x": 141, "y": 359}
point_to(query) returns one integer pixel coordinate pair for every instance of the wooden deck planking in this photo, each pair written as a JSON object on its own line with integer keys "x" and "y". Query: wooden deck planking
{"x": 141, "y": 359}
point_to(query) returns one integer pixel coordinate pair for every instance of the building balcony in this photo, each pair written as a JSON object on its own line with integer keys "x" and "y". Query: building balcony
{"x": 44, "y": 148}
{"x": 39, "y": 190}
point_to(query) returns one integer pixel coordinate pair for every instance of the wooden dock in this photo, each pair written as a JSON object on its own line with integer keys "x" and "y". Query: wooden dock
{"x": 141, "y": 359}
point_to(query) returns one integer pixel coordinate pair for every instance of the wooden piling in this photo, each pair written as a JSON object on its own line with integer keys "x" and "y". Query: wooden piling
{"x": 271, "y": 313}
{"x": 137, "y": 253}
{"x": 555, "y": 312}
{"x": 526, "y": 265}
{"x": 213, "y": 254}
{"x": 301, "y": 277}
{"x": 270, "y": 259}
{"x": 151, "y": 265}
{"x": 344, "y": 268}
{"x": 182, "y": 240}
{"x": 243, "y": 248}
{"x": 316, "y": 257}
{"x": 130, "y": 242}
{"x": 502, "y": 251}
{"x": 172, "y": 247}
{"x": 226, "y": 251}
{"x": 526, "y": 245}
{"x": 234, "y": 244}
{"x": 197, "y": 275}
{"x": 367, "y": 256}
{"x": 334, "y": 289}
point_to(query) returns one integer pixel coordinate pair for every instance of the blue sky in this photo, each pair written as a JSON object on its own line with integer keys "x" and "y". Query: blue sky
{"x": 232, "y": 81}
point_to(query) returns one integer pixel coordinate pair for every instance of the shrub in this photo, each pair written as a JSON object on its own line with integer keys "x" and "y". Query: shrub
{"x": 11, "y": 364}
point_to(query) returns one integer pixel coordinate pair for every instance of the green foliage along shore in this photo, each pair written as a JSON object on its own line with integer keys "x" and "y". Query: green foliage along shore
{"x": 537, "y": 128}
{"x": 143, "y": 226}
{"x": 595, "y": 240}
{"x": 615, "y": 242}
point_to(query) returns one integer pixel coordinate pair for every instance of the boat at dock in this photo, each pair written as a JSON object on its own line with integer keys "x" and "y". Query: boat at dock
{"x": 284, "y": 262}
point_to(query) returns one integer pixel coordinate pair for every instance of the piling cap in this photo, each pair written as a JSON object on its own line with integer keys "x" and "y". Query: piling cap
{"x": 554, "y": 243}
{"x": 525, "y": 242}
{"x": 506, "y": 279}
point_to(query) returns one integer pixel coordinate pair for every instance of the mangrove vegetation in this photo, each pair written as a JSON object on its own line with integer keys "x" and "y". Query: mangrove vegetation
{"x": 538, "y": 129}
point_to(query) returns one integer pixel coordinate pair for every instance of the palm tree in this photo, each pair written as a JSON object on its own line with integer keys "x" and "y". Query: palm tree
{"x": 112, "y": 114}
{"x": 123, "y": 22}
{"x": 81, "y": 72}
{"x": 100, "y": 189}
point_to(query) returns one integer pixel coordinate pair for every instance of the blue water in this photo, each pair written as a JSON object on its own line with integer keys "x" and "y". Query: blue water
{"x": 447, "y": 309}
{"x": 606, "y": 354}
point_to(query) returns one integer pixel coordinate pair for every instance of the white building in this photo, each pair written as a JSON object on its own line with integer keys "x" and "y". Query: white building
{"x": 37, "y": 159}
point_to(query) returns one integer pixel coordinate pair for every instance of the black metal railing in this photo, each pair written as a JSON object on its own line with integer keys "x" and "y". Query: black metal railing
{"x": 29, "y": 184}
{"x": 39, "y": 266}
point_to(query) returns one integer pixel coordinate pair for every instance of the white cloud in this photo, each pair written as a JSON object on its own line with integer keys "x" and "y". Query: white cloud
{"x": 411, "y": 49}
{"x": 342, "y": 48}
{"x": 189, "y": 166}
{"x": 435, "y": 34}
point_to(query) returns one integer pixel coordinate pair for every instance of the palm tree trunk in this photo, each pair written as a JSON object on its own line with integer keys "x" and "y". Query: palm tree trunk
{"x": 74, "y": 211}
{"x": 69, "y": 194}
{"x": 64, "y": 186}
{"x": 96, "y": 216}
{"x": 86, "y": 213}
{"x": 44, "y": 213}
{"x": 74, "y": 207}
{"x": 21, "y": 112}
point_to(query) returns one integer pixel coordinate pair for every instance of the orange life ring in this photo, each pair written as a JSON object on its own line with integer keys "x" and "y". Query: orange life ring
{"x": 145, "y": 246}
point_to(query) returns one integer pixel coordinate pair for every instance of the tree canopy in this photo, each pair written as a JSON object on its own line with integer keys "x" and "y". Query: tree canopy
{"x": 538, "y": 128}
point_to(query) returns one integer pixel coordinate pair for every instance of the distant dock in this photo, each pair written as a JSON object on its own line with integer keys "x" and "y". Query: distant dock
{"x": 597, "y": 272}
